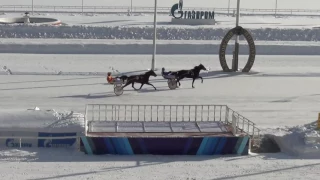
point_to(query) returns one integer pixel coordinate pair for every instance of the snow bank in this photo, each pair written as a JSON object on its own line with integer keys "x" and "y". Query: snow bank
{"x": 36, "y": 120}
{"x": 302, "y": 141}
{"x": 36, "y": 128}
{"x": 164, "y": 33}
{"x": 76, "y": 46}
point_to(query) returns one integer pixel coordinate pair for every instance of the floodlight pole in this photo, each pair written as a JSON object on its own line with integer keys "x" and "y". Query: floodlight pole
{"x": 32, "y": 7}
{"x": 153, "y": 64}
{"x": 229, "y": 8}
{"x": 82, "y": 7}
{"x": 276, "y": 9}
{"x": 235, "y": 59}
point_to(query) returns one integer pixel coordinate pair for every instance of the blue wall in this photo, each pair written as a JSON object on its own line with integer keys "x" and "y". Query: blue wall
{"x": 166, "y": 146}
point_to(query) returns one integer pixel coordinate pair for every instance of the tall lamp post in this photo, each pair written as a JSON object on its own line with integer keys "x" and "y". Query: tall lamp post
{"x": 236, "y": 50}
{"x": 32, "y": 7}
{"x": 276, "y": 9}
{"x": 82, "y": 7}
{"x": 153, "y": 63}
{"x": 229, "y": 8}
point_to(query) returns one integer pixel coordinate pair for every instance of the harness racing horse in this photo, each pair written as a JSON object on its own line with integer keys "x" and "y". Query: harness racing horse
{"x": 142, "y": 78}
{"x": 192, "y": 73}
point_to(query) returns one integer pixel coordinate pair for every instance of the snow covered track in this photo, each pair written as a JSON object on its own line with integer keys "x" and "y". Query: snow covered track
{"x": 272, "y": 86}
{"x": 281, "y": 91}
{"x": 92, "y": 46}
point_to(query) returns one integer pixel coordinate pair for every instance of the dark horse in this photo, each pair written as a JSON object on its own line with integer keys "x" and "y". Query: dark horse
{"x": 192, "y": 73}
{"x": 142, "y": 78}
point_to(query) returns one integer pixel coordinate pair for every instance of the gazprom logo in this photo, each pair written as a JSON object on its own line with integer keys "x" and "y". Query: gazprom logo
{"x": 9, "y": 142}
{"x": 47, "y": 143}
{"x": 12, "y": 143}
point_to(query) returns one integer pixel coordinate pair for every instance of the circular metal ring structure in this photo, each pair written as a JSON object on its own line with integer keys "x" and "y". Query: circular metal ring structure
{"x": 252, "y": 48}
{"x": 172, "y": 83}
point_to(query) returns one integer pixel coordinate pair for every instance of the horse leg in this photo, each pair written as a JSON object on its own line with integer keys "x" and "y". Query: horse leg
{"x": 201, "y": 79}
{"x": 134, "y": 87}
{"x": 141, "y": 86}
{"x": 151, "y": 85}
{"x": 194, "y": 78}
{"x": 132, "y": 84}
{"x": 178, "y": 80}
{"x": 193, "y": 82}
{"x": 126, "y": 84}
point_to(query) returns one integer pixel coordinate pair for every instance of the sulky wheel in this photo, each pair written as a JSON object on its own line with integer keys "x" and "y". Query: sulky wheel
{"x": 118, "y": 90}
{"x": 172, "y": 83}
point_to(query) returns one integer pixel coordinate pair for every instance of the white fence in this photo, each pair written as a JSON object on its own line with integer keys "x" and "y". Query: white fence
{"x": 113, "y": 9}
{"x": 170, "y": 113}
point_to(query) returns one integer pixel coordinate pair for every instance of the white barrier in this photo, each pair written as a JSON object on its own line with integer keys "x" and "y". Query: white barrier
{"x": 32, "y": 20}
{"x": 68, "y": 9}
{"x": 184, "y": 47}
{"x": 193, "y": 22}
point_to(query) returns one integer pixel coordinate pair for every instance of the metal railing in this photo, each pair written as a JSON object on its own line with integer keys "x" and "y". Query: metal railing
{"x": 122, "y": 112}
{"x": 170, "y": 113}
{"x": 243, "y": 124}
{"x": 91, "y": 9}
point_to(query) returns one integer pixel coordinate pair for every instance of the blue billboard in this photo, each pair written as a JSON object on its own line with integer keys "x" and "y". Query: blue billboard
{"x": 48, "y": 143}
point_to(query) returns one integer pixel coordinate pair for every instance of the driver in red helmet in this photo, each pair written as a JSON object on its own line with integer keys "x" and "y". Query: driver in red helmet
{"x": 110, "y": 79}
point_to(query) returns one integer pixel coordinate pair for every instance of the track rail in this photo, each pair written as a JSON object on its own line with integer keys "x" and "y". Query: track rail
{"x": 106, "y": 9}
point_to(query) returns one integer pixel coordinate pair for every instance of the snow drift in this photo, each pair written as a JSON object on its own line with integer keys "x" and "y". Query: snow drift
{"x": 36, "y": 120}
{"x": 302, "y": 141}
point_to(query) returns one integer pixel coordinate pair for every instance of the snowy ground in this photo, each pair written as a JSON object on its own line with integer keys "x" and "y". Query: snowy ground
{"x": 44, "y": 164}
{"x": 283, "y": 91}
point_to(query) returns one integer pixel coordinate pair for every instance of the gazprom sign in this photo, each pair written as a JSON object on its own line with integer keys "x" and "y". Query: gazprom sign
{"x": 190, "y": 14}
